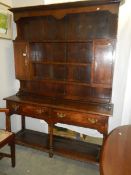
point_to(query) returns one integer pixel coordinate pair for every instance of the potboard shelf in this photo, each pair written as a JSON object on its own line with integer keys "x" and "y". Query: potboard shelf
{"x": 67, "y": 147}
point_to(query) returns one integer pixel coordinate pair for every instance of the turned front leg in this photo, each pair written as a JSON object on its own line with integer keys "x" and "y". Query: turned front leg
{"x": 51, "y": 140}
{"x": 23, "y": 122}
{"x": 12, "y": 149}
{"x": 8, "y": 124}
{"x": 104, "y": 137}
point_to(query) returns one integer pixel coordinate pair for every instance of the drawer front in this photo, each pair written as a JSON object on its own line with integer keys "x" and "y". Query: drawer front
{"x": 14, "y": 107}
{"x": 29, "y": 110}
{"x": 80, "y": 119}
{"x": 33, "y": 110}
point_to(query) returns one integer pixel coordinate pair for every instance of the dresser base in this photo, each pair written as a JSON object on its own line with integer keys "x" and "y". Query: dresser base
{"x": 71, "y": 148}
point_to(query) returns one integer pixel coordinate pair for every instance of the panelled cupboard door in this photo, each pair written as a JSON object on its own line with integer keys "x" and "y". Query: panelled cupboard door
{"x": 103, "y": 62}
{"x": 22, "y": 64}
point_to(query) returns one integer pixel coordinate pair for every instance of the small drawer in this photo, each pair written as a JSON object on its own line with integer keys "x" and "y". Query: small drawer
{"x": 33, "y": 110}
{"x": 29, "y": 110}
{"x": 14, "y": 107}
{"x": 80, "y": 119}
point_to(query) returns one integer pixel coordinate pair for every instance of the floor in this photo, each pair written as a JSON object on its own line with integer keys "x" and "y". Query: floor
{"x": 33, "y": 162}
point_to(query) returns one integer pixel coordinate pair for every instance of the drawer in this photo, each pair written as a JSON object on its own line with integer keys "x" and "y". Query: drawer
{"x": 14, "y": 107}
{"x": 29, "y": 110}
{"x": 80, "y": 119}
{"x": 33, "y": 110}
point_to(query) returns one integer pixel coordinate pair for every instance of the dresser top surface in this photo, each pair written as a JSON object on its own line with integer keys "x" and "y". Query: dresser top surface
{"x": 92, "y": 108}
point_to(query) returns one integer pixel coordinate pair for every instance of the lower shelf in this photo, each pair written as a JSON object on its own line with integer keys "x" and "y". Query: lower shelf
{"x": 67, "y": 147}
{"x": 33, "y": 139}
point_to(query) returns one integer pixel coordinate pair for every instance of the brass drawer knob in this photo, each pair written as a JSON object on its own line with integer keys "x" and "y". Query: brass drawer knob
{"x": 61, "y": 115}
{"x": 41, "y": 111}
{"x": 92, "y": 120}
{"x": 24, "y": 54}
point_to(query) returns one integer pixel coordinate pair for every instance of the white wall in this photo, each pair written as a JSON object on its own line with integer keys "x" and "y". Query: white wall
{"x": 6, "y": 68}
{"x": 126, "y": 115}
{"x": 22, "y": 3}
{"x": 58, "y": 1}
{"x": 6, "y": 2}
{"x": 121, "y": 84}
{"x": 18, "y": 3}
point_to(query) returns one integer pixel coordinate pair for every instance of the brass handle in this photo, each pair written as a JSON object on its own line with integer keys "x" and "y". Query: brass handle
{"x": 61, "y": 115}
{"x": 24, "y": 54}
{"x": 92, "y": 120}
{"x": 15, "y": 107}
{"x": 38, "y": 111}
{"x": 41, "y": 111}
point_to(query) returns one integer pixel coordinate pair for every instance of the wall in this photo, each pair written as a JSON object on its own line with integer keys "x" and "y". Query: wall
{"x": 121, "y": 84}
{"x": 58, "y": 1}
{"x": 18, "y": 3}
{"x": 6, "y": 67}
{"x": 7, "y": 2}
{"x": 126, "y": 115}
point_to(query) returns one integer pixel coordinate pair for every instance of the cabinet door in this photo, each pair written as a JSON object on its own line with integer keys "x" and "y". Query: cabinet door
{"x": 22, "y": 65}
{"x": 103, "y": 62}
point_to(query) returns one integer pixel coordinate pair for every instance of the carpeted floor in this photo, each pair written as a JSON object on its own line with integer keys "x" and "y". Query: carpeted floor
{"x": 33, "y": 162}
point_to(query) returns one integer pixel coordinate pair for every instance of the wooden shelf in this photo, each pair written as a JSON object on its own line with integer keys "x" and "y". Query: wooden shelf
{"x": 67, "y": 147}
{"x": 61, "y": 63}
{"x": 32, "y": 139}
{"x": 77, "y": 150}
{"x": 63, "y": 81}
{"x": 78, "y": 83}
{"x": 58, "y": 41}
